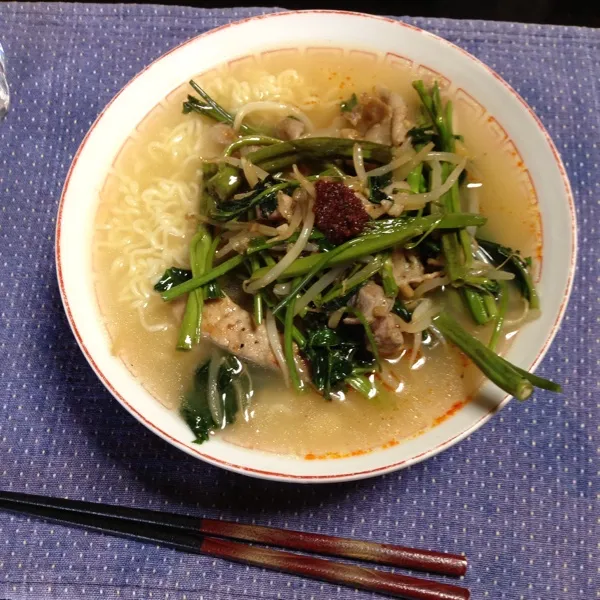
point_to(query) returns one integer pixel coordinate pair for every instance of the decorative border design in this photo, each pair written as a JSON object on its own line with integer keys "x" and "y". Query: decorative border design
{"x": 394, "y": 59}
{"x": 464, "y": 98}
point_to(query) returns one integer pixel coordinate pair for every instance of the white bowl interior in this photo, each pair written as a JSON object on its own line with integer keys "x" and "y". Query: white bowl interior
{"x": 312, "y": 28}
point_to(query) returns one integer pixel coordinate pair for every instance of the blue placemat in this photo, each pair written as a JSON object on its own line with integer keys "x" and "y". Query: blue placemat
{"x": 519, "y": 496}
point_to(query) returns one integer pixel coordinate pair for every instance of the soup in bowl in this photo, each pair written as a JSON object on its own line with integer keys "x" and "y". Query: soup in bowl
{"x": 316, "y": 260}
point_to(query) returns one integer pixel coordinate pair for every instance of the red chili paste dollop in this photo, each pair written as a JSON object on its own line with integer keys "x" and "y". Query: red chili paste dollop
{"x": 339, "y": 213}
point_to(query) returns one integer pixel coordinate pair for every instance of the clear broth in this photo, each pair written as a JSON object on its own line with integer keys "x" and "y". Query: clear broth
{"x": 282, "y": 422}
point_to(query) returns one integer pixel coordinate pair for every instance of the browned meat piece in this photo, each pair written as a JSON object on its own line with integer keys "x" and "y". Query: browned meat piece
{"x": 354, "y": 116}
{"x": 388, "y": 334}
{"x": 372, "y": 302}
{"x": 374, "y": 111}
{"x": 407, "y": 270}
{"x": 399, "y": 127}
{"x": 387, "y": 327}
{"x": 368, "y": 112}
{"x": 399, "y": 112}
{"x": 289, "y": 129}
{"x": 230, "y": 327}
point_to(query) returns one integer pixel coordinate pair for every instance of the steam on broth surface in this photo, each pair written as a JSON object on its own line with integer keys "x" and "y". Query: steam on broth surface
{"x": 148, "y": 215}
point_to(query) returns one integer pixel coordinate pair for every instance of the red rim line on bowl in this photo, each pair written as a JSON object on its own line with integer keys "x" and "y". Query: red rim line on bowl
{"x": 189, "y": 449}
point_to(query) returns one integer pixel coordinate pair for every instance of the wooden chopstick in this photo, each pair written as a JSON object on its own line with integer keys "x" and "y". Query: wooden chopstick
{"x": 410, "y": 588}
{"x": 385, "y": 554}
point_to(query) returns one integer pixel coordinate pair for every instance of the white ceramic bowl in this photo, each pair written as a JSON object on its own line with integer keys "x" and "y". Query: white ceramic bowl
{"x": 477, "y": 83}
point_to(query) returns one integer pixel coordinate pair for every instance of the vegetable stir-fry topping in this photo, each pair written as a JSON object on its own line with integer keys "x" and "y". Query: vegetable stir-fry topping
{"x": 346, "y": 248}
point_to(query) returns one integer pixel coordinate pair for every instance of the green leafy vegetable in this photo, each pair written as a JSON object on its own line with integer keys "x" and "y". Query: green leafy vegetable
{"x": 190, "y": 329}
{"x": 338, "y": 302}
{"x": 513, "y": 262}
{"x": 369, "y": 333}
{"x": 424, "y": 135}
{"x": 363, "y": 385}
{"x": 171, "y": 277}
{"x": 258, "y": 300}
{"x": 349, "y": 104}
{"x": 499, "y": 320}
{"x": 334, "y": 355}
{"x": 288, "y": 346}
{"x": 380, "y": 235}
{"x": 416, "y": 180}
{"x": 195, "y": 409}
{"x": 263, "y": 194}
{"x": 212, "y": 290}
{"x": 400, "y": 309}
{"x": 429, "y": 249}
{"x": 476, "y": 303}
{"x": 355, "y": 280}
{"x": 208, "y": 107}
{"x": 249, "y": 140}
{"x": 196, "y": 282}
{"x": 456, "y": 245}
{"x": 277, "y": 157}
{"x": 175, "y": 276}
{"x": 376, "y": 187}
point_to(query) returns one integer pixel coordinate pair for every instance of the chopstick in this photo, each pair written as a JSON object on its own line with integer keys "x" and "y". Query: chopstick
{"x": 386, "y": 554}
{"x": 178, "y": 536}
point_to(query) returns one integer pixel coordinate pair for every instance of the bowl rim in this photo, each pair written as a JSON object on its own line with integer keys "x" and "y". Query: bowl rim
{"x": 326, "y": 478}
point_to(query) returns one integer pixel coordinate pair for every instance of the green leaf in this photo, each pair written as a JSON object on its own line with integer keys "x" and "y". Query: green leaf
{"x": 268, "y": 205}
{"x": 334, "y": 354}
{"x": 376, "y": 187}
{"x": 324, "y": 337}
{"x": 349, "y": 104}
{"x": 195, "y": 409}
{"x": 264, "y": 194}
{"x": 213, "y": 291}
{"x": 423, "y": 135}
{"x": 341, "y": 301}
{"x": 429, "y": 248}
{"x": 390, "y": 287}
{"x": 368, "y": 332}
{"x": 172, "y": 277}
{"x": 362, "y": 385}
{"x": 209, "y": 108}
{"x": 341, "y": 363}
{"x": 511, "y": 260}
{"x": 400, "y": 309}
{"x": 322, "y": 243}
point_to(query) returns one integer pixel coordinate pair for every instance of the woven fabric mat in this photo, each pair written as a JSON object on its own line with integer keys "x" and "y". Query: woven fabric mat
{"x": 519, "y": 496}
